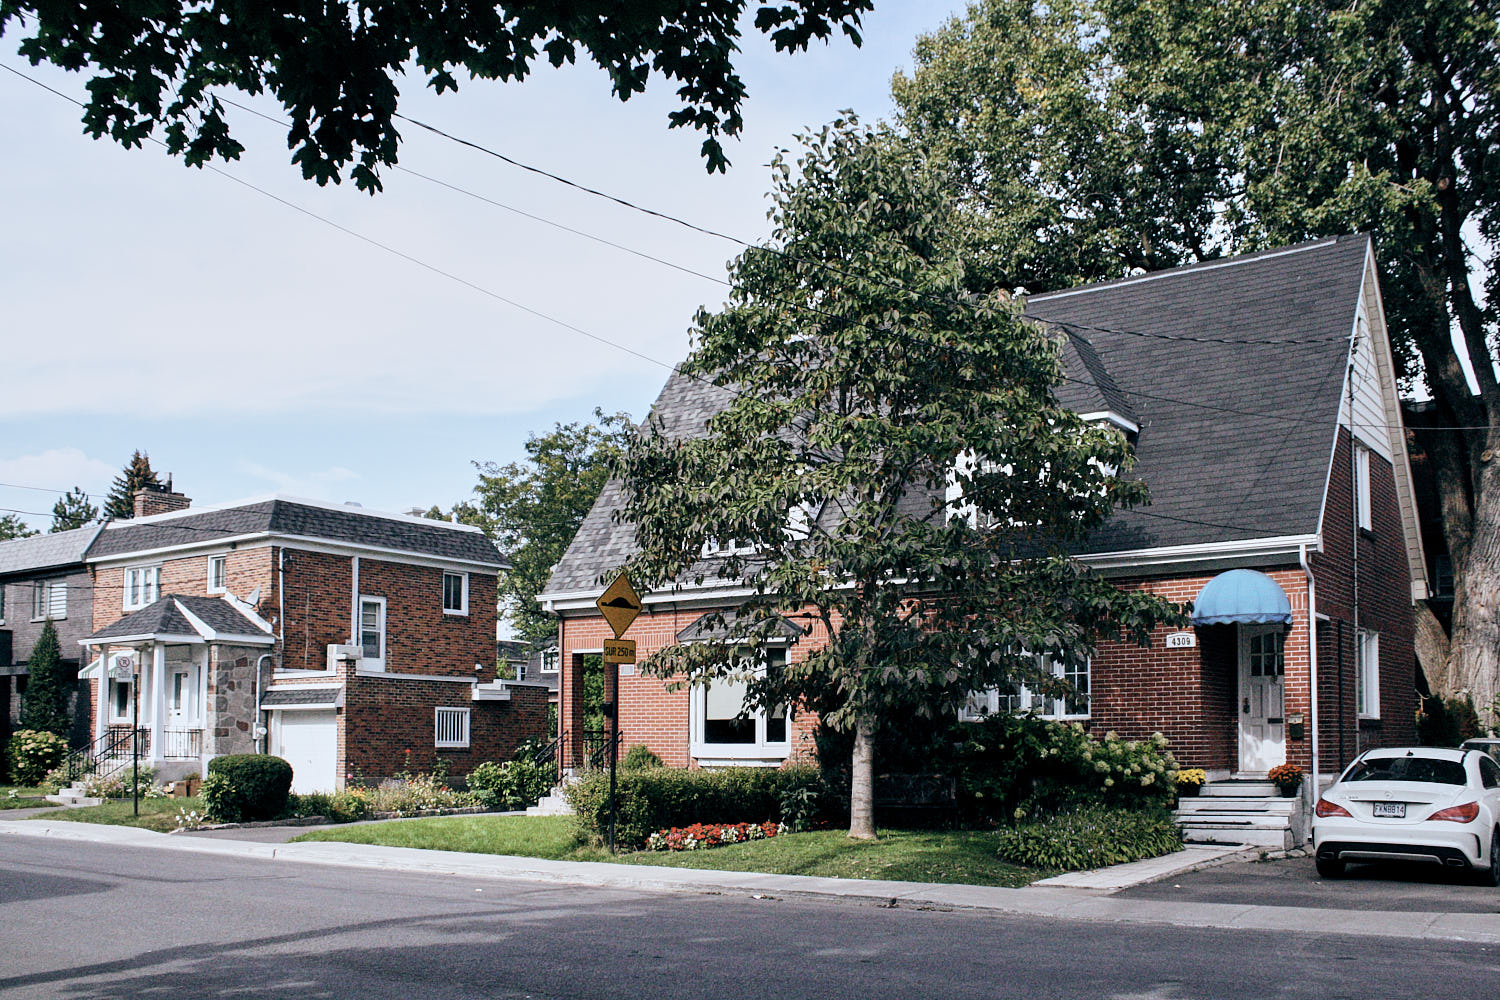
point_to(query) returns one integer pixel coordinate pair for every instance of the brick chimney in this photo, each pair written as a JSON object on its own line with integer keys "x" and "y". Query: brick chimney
{"x": 159, "y": 500}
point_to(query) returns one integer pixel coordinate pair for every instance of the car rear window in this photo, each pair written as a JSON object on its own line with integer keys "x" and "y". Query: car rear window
{"x": 1440, "y": 772}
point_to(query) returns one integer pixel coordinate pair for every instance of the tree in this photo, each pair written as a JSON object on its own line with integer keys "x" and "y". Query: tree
{"x": 1241, "y": 126}
{"x": 120, "y": 503}
{"x": 334, "y": 66}
{"x": 46, "y": 703}
{"x": 11, "y": 526}
{"x": 870, "y": 402}
{"x": 532, "y": 509}
{"x": 73, "y": 510}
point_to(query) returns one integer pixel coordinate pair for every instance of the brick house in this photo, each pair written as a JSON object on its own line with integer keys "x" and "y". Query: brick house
{"x": 353, "y": 643}
{"x": 1259, "y": 395}
{"x": 42, "y": 577}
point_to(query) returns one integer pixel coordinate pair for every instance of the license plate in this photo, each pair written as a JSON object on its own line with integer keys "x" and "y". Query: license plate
{"x": 1391, "y": 810}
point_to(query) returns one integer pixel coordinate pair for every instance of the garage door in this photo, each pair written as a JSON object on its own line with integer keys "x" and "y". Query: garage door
{"x": 309, "y": 742}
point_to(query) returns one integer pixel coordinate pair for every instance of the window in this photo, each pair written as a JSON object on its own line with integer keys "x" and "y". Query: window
{"x": 451, "y": 728}
{"x": 723, "y": 726}
{"x": 1367, "y": 674}
{"x": 455, "y": 593}
{"x": 2, "y": 604}
{"x": 218, "y": 574}
{"x": 727, "y": 547}
{"x": 549, "y": 660}
{"x": 1362, "y": 487}
{"x": 119, "y": 701}
{"x": 1267, "y": 654}
{"x": 1016, "y": 697}
{"x": 49, "y": 599}
{"x": 142, "y": 587}
{"x": 1489, "y": 772}
{"x": 372, "y": 632}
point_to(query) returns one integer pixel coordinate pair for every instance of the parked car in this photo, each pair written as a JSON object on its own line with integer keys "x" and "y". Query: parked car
{"x": 1423, "y": 804}
{"x": 1484, "y": 744}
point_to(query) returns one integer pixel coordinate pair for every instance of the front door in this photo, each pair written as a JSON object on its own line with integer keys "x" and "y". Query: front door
{"x": 1262, "y": 724}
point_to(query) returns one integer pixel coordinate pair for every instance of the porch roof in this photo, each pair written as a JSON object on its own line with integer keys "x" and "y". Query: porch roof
{"x": 1242, "y": 596}
{"x": 181, "y": 618}
{"x": 774, "y": 629}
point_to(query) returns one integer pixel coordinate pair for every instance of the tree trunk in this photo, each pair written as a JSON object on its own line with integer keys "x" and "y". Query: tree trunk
{"x": 1474, "y": 642}
{"x": 862, "y": 785}
{"x": 1432, "y": 650}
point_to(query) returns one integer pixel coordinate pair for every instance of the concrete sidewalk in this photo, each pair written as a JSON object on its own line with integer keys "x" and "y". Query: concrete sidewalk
{"x": 1052, "y": 901}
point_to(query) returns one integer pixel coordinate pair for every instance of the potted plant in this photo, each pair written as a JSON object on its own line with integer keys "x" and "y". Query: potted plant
{"x": 1286, "y": 777}
{"x": 1190, "y": 781}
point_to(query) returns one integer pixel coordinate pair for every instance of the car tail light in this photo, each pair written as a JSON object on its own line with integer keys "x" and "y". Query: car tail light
{"x": 1326, "y": 809}
{"x": 1466, "y": 813}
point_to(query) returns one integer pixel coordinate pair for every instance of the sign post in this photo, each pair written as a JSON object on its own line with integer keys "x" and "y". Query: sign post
{"x": 135, "y": 737}
{"x": 620, "y": 604}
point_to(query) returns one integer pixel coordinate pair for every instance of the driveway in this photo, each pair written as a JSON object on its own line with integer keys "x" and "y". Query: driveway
{"x": 1294, "y": 882}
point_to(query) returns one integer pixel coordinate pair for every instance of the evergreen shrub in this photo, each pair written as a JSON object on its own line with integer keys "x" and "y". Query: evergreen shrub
{"x": 661, "y": 798}
{"x": 1090, "y": 837}
{"x": 246, "y": 787}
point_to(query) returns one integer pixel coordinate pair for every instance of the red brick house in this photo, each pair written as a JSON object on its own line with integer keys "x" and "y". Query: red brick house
{"x": 1259, "y": 395}
{"x": 352, "y": 642}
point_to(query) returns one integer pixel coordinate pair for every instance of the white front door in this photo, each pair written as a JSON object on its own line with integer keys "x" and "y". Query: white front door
{"x": 179, "y": 697}
{"x": 307, "y": 740}
{"x": 1262, "y": 668}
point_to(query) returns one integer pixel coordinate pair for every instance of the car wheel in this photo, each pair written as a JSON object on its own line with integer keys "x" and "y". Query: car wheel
{"x": 1491, "y": 876}
{"x": 1330, "y": 868}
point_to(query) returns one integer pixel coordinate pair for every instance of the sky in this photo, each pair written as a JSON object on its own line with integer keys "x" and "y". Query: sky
{"x": 250, "y": 347}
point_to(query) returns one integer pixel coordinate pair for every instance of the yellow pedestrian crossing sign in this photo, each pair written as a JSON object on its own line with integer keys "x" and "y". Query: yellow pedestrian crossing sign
{"x": 620, "y": 604}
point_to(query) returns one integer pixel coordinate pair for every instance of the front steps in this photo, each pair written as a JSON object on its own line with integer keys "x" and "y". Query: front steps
{"x": 1243, "y": 811}
{"x": 553, "y": 804}
{"x": 73, "y": 795}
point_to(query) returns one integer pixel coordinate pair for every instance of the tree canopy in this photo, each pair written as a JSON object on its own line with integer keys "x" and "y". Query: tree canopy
{"x": 1092, "y": 136}
{"x": 334, "y": 67}
{"x": 119, "y": 504}
{"x": 11, "y": 526}
{"x": 73, "y": 510}
{"x": 877, "y": 417}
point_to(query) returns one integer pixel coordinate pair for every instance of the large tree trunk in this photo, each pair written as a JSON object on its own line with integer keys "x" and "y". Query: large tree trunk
{"x": 1432, "y": 649}
{"x": 862, "y": 784}
{"x": 1474, "y": 643}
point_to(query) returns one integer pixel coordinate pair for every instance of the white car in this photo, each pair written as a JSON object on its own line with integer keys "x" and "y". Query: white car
{"x": 1423, "y": 804}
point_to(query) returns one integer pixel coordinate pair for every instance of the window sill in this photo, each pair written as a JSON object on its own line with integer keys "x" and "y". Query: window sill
{"x": 455, "y": 614}
{"x": 275, "y": 674}
{"x": 740, "y": 754}
{"x": 56, "y": 618}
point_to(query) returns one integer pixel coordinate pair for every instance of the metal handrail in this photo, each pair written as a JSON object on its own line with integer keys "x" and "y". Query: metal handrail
{"x": 113, "y": 744}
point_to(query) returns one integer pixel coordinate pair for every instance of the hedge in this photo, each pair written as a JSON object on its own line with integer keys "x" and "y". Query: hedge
{"x": 246, "y": 787}
{"x": 1090, "y": 837}
{"x": 661, "y": 798}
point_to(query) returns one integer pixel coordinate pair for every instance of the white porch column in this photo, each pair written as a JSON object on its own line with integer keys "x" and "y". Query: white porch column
{"x": 158, "y": 696}
{"x": 101, "y": 717}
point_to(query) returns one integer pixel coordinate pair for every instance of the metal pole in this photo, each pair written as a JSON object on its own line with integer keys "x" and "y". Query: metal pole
{"x": 613, "y": 705}
{"x": 135, "y": 738}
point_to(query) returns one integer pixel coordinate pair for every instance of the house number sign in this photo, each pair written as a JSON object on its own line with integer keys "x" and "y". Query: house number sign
{"x": 1182, "y": 640}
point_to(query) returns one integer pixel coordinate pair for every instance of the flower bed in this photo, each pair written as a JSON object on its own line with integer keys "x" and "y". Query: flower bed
{"x": 701, "y": 836}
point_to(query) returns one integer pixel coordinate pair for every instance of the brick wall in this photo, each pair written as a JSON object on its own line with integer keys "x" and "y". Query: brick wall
{"x": 1385, "y": 606}
{"x": 383, "y": 717}
{"x": 319, "y": 607}
{"x": 246, "y": 569}
{"x": 420, "y": 637}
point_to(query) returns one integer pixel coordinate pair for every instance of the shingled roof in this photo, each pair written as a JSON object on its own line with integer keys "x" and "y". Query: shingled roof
{"x": 1232, "y": 370}
{"x": 43, "y": 552}
{"x": 291, "y": 517}
{"x": 180, "y": 614}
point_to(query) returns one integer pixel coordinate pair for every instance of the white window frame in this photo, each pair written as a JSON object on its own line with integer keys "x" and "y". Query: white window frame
{"x": 713, "y": 547}
{"x": 1363, "y": 514}
{"x": 450, "y": 728}
{"x": 49, "y": 599}
{"x": 142, "y": 587}
{"x": 1367, "y": 674}
{"x": 762, "y": 751}
{"x": 2, "y": 604}
{"x": 1020, "y": 699}
{"x": 372, "y": 662}
{"x": 463, "y": 593}
{"x": 549, "y": 661}
{"x": 222, "y": 562}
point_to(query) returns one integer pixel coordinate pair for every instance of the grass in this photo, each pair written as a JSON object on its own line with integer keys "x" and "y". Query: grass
{"x": 27, "y": 797}
{"x": 156, "y": 814}
{"x": 965, "y": 857}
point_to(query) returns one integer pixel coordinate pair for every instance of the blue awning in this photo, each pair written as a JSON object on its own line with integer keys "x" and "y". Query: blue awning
{"x": 1242, "y": 595}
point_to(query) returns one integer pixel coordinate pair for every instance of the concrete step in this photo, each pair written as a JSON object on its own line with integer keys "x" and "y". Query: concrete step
{"x": 1250, "y": 820}
{"x": 1276, "y": 840}
{"x": 1238, "y": 788}
{"x": 555, "y": 804}
{"x": 74, "y": 796}
{"x": 1223, "y": 803}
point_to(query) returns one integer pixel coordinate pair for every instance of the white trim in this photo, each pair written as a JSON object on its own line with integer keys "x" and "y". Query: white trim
{"x": 1243, "y": 549}
{"x": 223, "y": 560}
{"x": 761, "y": 751}
{"x": 302, "y": 543}
{"x": 1181, "y": 271}
{"x": 459, "y": 719}
{"x": 235, "y": 542}
{"x": 127, "y": 589}
{"x": 1119, "y": 420}
{"x": 463, "y": 595}
{"x": 164, "y": 637}
{"x": 361, "y": 672}
{"x": 1367, "y": 674}
{"x": 374, "y": 664}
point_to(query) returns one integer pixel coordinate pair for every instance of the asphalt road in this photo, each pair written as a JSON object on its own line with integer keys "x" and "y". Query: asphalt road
{"x": 85, "y": 920}
{"x": 1295, "y": 882}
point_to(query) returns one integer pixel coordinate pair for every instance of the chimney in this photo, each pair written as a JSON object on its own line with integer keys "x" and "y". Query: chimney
{"x": 150, "y": 499}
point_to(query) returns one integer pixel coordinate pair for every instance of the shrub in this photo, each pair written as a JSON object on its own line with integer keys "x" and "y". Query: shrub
{"x": 1447, "y": 722}
{"x": 33, "y": 753}
{"x": 1089, "y": 837}
{"x": 338, "y": 807}
{"x": 661, "y": 798}
{"x": 246, "y": 787}
{"x": 640, "y": 758}
{"x": 413, "y": 795}
{"x": 118, "y": 785}
{"x": 515, "y": 784}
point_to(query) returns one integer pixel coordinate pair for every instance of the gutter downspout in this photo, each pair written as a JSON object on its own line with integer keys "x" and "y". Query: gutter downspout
{"x": 258, "y": 729}
{"x": 1312, "y": 662}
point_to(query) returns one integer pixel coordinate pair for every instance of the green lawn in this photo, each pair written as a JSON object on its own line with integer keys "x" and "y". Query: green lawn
{"x": 26, "y": 797}
{"x": 957, "y": 856}
{"x": 156, "y": 814}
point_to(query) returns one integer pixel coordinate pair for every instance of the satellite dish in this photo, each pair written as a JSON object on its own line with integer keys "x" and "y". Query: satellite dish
{"x": 254, "y": 597}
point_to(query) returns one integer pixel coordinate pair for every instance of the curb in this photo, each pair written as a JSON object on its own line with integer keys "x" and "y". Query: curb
{"x": 1035, "y": 901}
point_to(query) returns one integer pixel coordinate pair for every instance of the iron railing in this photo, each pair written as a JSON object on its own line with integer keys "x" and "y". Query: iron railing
{"x": 588, "y": 749}
{"x": 181, "y": 744}
{"x": 114, "y": 746}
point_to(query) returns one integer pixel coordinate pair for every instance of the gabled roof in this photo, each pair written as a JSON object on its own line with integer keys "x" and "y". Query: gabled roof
{"x": 178, "y": 615}
{"x": 775, "y": 628}
{"x": 297, "y": 518}
{"x": 1232, "y": 370}
{"x": 43, "y": 552}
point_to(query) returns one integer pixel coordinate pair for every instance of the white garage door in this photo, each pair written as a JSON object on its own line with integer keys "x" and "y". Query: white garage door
{"x": 309, "y": 742}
